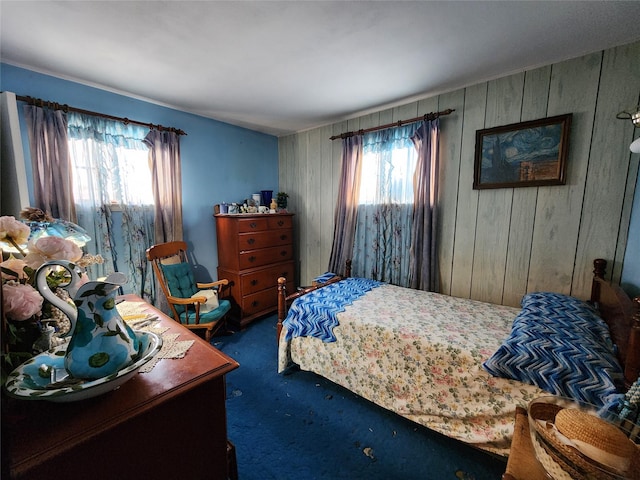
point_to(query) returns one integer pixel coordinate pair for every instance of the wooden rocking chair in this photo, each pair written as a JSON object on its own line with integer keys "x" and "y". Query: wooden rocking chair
{"x": 197, "y": 306}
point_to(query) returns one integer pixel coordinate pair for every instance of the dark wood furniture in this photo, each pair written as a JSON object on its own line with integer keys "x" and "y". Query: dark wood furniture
{"x": 623, "y": 318}
{"x": 165, "y": 424}
{"x": 522, "y": 463}
{"x": 253, "y": 252}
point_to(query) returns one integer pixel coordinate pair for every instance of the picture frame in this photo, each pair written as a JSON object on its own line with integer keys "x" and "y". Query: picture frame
{"x": 525, "y": 154}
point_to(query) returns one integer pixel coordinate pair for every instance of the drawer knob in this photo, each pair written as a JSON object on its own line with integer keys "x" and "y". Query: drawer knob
{"x": 284, "y": 253}
{"x": 251, "y": 241}
{"x": 280, "y": 223}
{"x": 255, "y": 303}
{"x": 254, "y": 282}
{"x": 252, "y": 258}
{"x": 253, "y": 224}
{"x": 283, "y": 237}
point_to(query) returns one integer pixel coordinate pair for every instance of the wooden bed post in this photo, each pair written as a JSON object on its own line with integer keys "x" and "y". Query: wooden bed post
{"x": 284, "y": 300}
{"x": 599, "y": 271}
{"x": 632, "y": 372}
{"x": 622, "y": 315}
{"x": 282, "y": 304}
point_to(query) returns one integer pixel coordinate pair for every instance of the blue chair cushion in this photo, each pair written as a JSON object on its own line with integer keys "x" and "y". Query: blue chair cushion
{"x": 182, "y": 284}
{"x": 212, "y": 316}
{"x": 180, "y": 281}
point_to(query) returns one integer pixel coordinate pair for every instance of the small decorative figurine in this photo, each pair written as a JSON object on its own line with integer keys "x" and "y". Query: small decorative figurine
{"x": 273, "y": 205}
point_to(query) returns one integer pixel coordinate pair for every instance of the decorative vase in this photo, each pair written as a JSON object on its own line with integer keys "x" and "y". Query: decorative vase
{"x": 266, "y": 196}
{"x": 101, "y": 342}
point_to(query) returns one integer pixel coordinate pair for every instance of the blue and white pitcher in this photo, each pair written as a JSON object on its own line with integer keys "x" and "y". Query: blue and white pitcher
{"x": 101, "y": 342}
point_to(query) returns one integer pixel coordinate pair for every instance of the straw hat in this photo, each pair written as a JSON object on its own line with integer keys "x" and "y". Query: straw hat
{"x": 574, "y": 444}
{"x": 596, "y": 438}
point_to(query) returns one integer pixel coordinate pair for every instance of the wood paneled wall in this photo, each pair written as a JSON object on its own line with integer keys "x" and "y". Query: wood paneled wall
{"x": 496, "y": 245}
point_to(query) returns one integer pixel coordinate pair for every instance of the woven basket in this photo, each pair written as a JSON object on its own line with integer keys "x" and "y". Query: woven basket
{"x": 561, "y": 461}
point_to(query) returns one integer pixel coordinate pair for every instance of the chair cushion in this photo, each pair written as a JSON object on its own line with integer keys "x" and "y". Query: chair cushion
{"x": 180, "y": 281}
{"x": 214, "y": 315}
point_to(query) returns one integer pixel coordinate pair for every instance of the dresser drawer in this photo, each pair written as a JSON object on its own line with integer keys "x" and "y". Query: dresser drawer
{"x": 257, "y": 280}
{"x": 264, "y": 239}
{"x": 265, "y": 256}
{"x": 253, "y": 224}
{"x": 265, "y": 300}
{"x": 278, "y": 221}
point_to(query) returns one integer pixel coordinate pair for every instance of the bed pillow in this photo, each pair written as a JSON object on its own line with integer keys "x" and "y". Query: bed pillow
{"x": 558, "y": 305}
{"x": 560, "y": 344}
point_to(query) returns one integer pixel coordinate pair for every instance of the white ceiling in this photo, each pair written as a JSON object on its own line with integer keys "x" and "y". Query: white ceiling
{"x": 284, "y": 66}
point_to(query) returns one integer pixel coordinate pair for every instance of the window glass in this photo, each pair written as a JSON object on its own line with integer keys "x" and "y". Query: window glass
{"x": 387, "y": 177}
{"x": 389, "y": 161}
{"x": 116, "y": 172}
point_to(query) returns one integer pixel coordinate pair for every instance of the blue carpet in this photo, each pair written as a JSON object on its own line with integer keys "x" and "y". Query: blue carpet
{"x": 301, "y": 426}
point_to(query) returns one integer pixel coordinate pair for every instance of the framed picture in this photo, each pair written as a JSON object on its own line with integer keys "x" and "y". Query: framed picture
{"x": 523, "y": 154}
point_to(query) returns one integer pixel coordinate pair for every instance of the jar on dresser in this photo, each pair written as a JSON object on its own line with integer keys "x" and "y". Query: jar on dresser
{"x": 253, "y": 251}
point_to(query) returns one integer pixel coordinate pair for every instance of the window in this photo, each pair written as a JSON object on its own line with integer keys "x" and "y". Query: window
{"x": 385, "y": 206}
{"x": 387, "y": 175}
{"x": 117, "y": 174}
{"x": 113, "y": 196}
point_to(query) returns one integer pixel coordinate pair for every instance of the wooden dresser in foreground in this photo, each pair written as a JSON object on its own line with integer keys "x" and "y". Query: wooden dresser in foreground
{"x": 168, "y": 423}
{"x": 253, "y": 251}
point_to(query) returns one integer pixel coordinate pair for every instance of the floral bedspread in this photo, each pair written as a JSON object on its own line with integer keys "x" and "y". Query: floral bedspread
{"x": 420, "y": 354}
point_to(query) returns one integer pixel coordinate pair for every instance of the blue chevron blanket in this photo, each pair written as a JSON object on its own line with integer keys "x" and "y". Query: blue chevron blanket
{"x": 315, "y": 314}
{"x": 324, "y": 278}
{"x": 561, "y": 344}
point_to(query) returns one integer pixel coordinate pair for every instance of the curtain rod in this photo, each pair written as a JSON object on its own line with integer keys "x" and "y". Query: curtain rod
{"x": 399, "y": 123}
{"x": 66, "y": 108}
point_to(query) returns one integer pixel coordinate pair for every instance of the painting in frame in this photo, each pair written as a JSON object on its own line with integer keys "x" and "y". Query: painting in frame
{"x": 525, "y": 154}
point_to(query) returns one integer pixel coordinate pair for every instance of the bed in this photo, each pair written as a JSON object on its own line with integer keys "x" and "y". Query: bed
{"x": 428, "y": 356}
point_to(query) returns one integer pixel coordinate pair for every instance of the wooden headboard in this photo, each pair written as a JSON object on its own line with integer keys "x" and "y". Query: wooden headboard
{"x": 622, "y": 314}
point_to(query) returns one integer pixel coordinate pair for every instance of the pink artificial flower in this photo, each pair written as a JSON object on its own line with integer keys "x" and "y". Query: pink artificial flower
{"x": 20, "y": 302}
{"x": 16, "y": 265}
{"x": 51, "y": 248}
{"x": 82, "y": 279}
{"x": 13, "y": 229}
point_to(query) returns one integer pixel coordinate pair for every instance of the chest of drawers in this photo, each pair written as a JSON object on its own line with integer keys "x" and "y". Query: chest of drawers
{"x": 253, "y": 251}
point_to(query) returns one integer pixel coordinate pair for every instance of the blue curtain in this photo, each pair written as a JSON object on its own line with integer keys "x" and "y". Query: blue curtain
{"x": 166, "y": 182}
{"x": 52, "y": 178}
{"x": 346, "y": 210}
{"x": 423, "y": 255}
{"x": 385, "y": 206}
{"x": 98, "y": 149}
